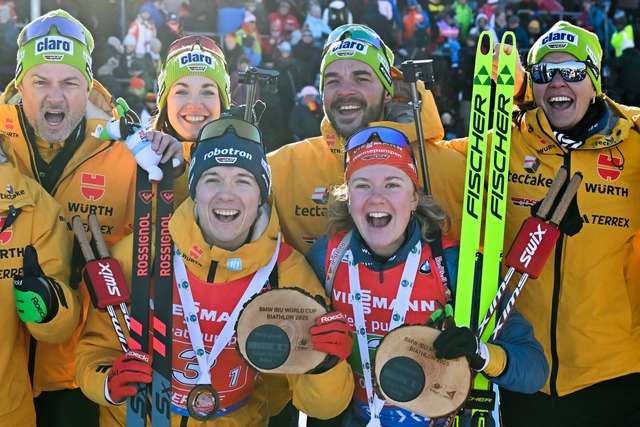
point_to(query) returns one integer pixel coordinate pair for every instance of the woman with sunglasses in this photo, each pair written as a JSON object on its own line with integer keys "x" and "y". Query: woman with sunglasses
{"x": 382, "y": 223}
{"x": 584, "y": 305}
{"x": 228, "y": 241}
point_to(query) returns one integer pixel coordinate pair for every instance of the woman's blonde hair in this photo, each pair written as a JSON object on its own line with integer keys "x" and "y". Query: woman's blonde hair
{"x": 430, "y": 215}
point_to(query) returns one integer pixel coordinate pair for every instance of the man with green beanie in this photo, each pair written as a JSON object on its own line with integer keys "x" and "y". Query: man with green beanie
{"x": 358, "y": 83}
{"x": 51, "y": 114}
{"x": 585, "y": 304}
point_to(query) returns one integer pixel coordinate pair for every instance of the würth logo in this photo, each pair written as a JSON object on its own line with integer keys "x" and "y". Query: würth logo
{"x": 92, "y": 186}
{"x": 5, "y": 235}
{"x": 609, "y": 167}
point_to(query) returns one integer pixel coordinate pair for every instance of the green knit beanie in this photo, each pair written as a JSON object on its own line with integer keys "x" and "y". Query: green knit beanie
{"x": 354, "y": 41}
{"x": 55, "y": 38}
{"x": 194, "y": 59}
{"x": 566, "y": 37}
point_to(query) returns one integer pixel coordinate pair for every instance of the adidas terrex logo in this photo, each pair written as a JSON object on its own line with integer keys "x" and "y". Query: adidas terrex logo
{"x": 54, "y": 44}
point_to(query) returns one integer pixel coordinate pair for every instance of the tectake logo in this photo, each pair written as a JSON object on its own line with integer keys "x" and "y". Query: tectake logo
{"x": 320, "y": 196}
{"x": 54, "y": 44}
{"x": 92, "y": 186}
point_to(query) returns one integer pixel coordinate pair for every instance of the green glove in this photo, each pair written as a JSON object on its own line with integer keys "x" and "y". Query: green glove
{"x": 35, "y": 299}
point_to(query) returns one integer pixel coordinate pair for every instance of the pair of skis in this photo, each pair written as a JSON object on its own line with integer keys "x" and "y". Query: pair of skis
{"x": 161, "y": 266}
{"x": 474, "y": 291}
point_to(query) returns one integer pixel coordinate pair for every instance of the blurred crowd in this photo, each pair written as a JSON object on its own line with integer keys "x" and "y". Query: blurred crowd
{"x": 288, "y": 36}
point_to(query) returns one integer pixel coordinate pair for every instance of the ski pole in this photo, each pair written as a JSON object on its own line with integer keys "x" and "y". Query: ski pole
{"x": 105, "y": 280}
{"x": 537, "y": 255}
{"x": 540, "y": 216}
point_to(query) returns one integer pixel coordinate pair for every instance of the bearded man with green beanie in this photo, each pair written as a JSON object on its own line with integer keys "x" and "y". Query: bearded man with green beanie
{"x": 52, "y": 113}
{"x": 358, "y": 83}
{"x": 585, "y": 305}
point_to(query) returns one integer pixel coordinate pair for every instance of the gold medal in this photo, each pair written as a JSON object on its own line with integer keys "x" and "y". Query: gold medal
{"x": 203, "y": 402}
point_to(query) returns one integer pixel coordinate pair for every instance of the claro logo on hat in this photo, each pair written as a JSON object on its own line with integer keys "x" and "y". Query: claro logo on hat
{"x": 559, "y": 40}
{"x": 197, "y": 61}
{"x": 350, "y": 47}
{"x": 50, "y": 44}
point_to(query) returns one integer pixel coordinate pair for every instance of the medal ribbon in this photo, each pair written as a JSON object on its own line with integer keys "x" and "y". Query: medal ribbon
{"x": 191, "y": 314}
{"x": 400, "y": 307}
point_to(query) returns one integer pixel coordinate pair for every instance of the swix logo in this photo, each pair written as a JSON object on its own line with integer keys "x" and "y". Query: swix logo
{"x": 609, "y": 167}
{"x": 54, "y": 44}
{"x": 8, "y": 123}
{"x": 109, "y": 278}
{"x": 559, "y": 40}
{"x": 531, "y": 248}
{"x": 195, "y": 252}
{"x": 145, "y": 196}
{"x": 5, "y": 235}
{"x": 92, "y": 186}
{"x": 167, "y": 196}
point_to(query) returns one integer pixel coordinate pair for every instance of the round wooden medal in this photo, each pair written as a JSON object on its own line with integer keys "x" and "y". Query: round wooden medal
{"x": 408, "y": 374}
{"x": 203, "y": 402}
{"x": 273, "y": 332}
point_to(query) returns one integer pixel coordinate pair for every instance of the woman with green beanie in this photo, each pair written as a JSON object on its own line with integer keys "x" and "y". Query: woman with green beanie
{"x": 585, "y": 305}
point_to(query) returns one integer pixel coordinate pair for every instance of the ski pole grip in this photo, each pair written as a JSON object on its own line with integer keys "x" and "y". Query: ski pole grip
{"x": 101, "y": 245}
{"x": 81, "y": 236}
{"x": 568, "y": 195}
{"x": 554, "y": 189}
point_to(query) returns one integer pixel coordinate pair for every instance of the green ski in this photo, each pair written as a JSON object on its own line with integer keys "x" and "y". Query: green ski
{"x": 475, "y": 294}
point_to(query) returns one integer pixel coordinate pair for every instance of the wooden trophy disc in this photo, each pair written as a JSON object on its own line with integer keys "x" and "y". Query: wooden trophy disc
{"x": 408, "y": 374}
{"x": 273, "y": 331}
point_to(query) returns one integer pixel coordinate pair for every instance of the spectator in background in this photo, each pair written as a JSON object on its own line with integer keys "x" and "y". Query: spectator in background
{"x": 139, "y": 68}
{"x": 378, "y": 22}
{"x": 412, "y": 18}
{"x": 288, "y": 78}
{"x": 314, "y": 23}
{"x": 143, "y": 30}
{"x": 168, "y": 32}
{"x": 594, "y": 19}
{"x": 249, "y": 38}
{"x": 624, "y": 31}
{"x": 627, "y": 66}
{"x": 129, "y": 42}
{"x": 522, "y": 38}
{"x": 8, "y": 46}
{"x": 149, "y": 109}
{"x": 239, "y": 90}
{"x": 306, "y": 115}
{"x": 336, "y": 14}
{"x": 106, "y": 74}
{"x": 534, "y": 30}
{"x": 156, "y": 10}
{"x": 385, "y": 8}
{"x": 307, "y": 56}
{"x": 482, "y": 24}
{"x": 134, "y": 94}
{"x": 489, "y": 10}
{"x": 232, "y": 51}
{"x": 288, "y": 22}
{"x": 464, "y": 17}
{"x": 276, "y": 36}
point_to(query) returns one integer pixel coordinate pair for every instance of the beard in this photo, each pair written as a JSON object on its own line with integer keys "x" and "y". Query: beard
{"x": 62, "y": 132}
{"x": 370, "y": 113}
